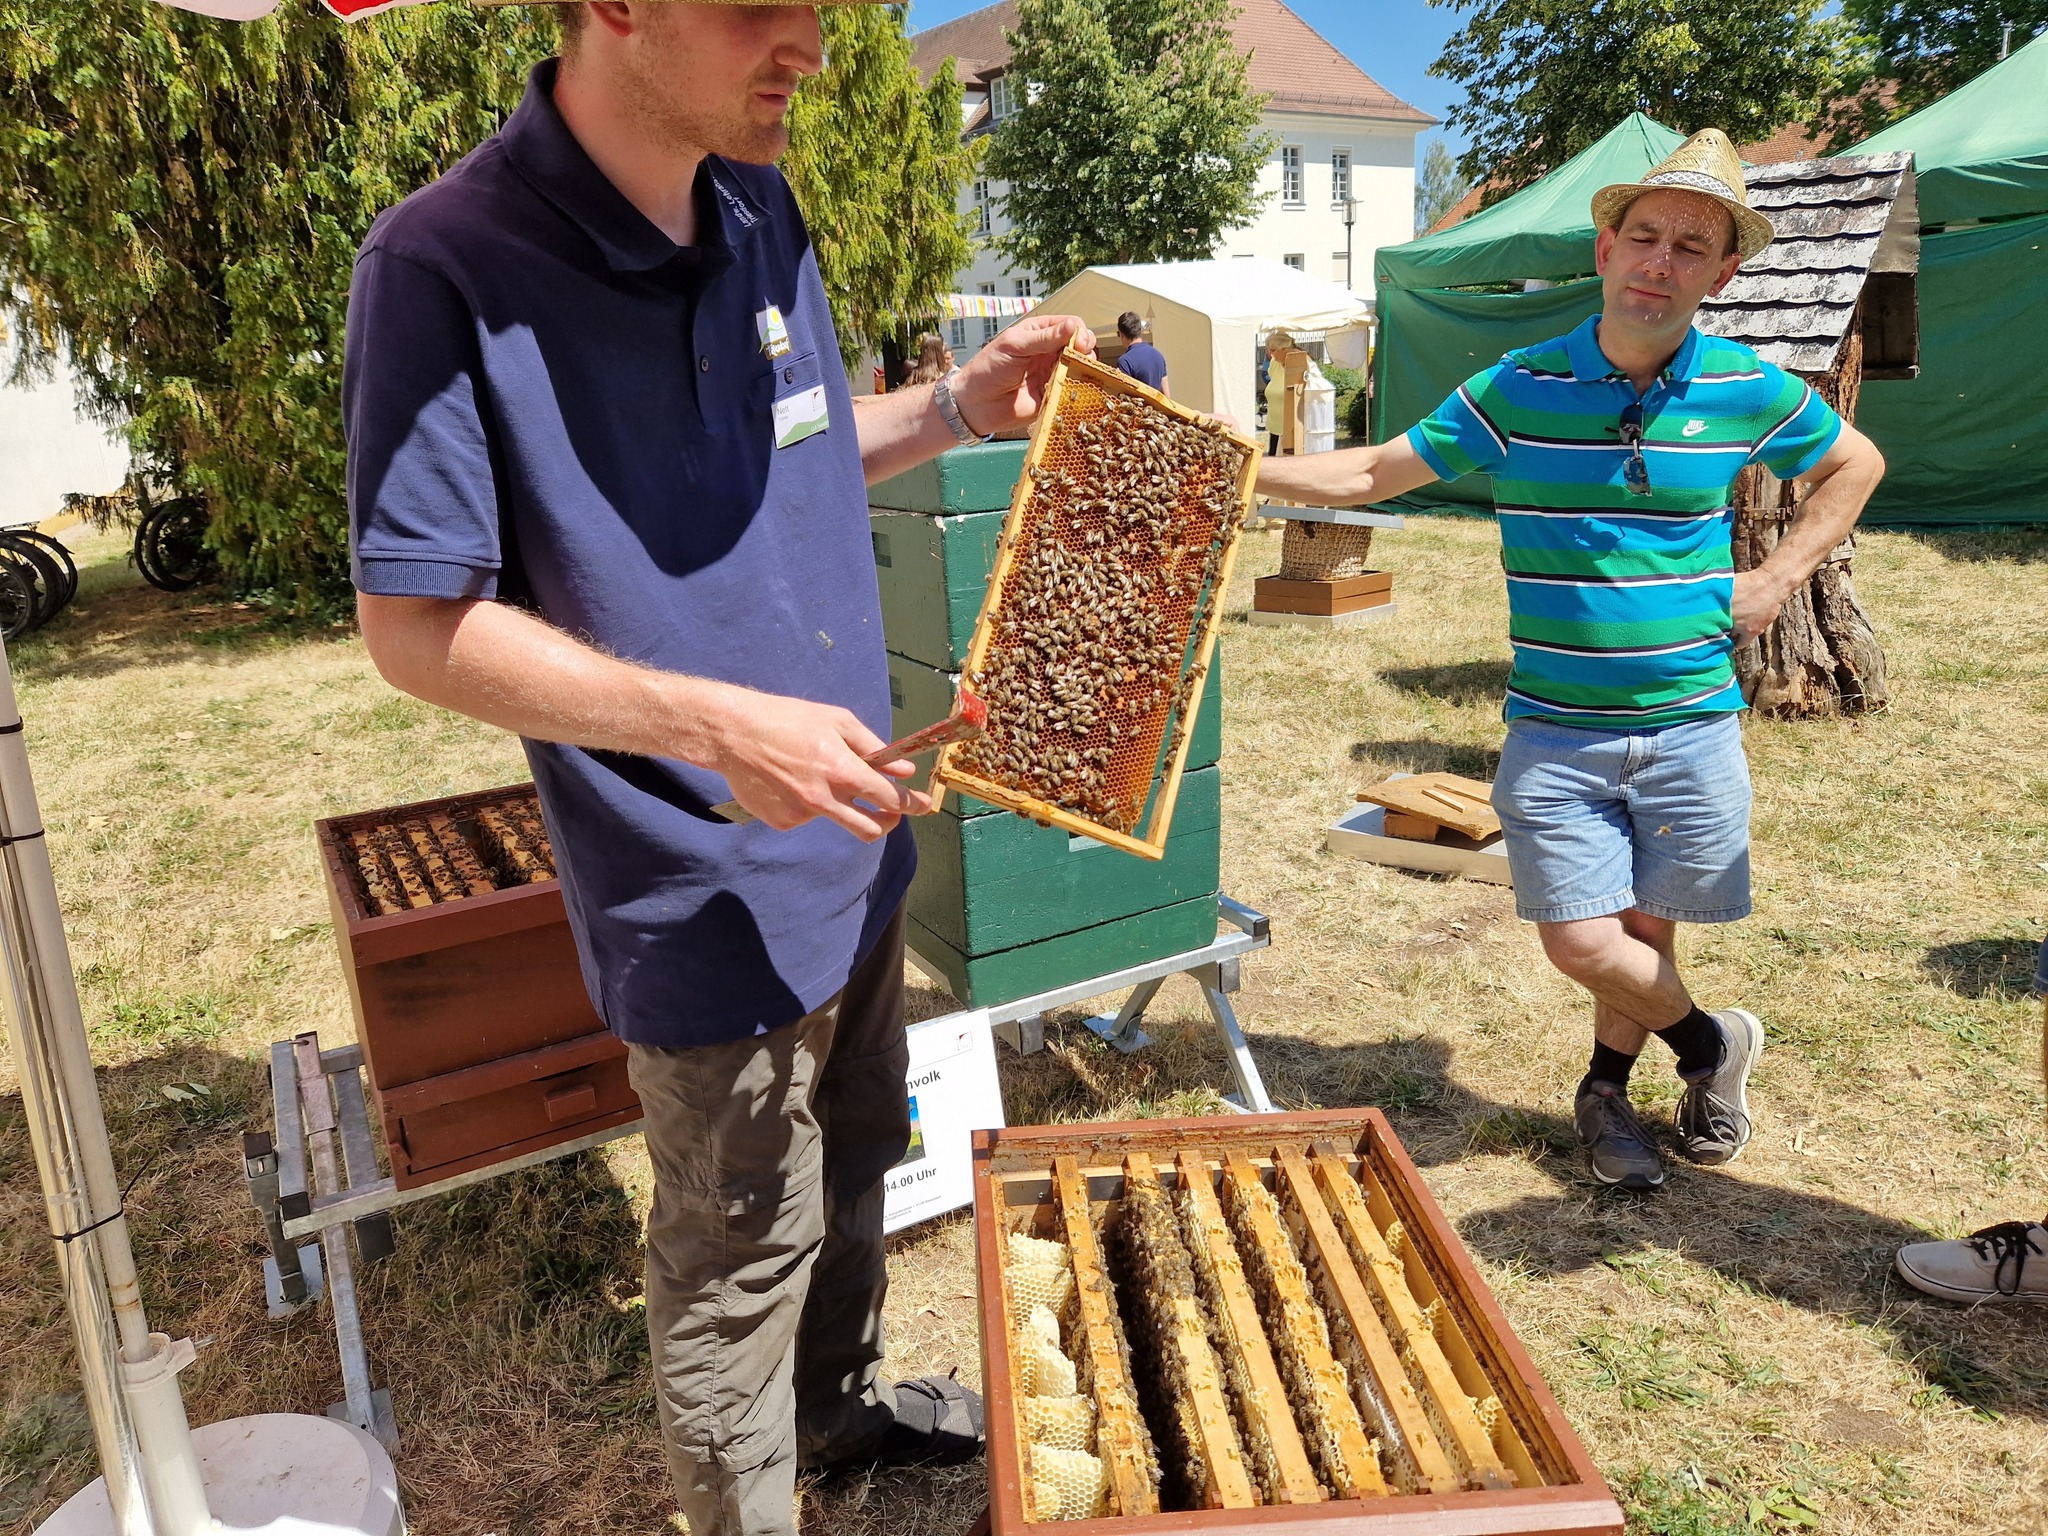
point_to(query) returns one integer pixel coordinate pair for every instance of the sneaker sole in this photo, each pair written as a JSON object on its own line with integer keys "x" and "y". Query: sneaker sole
{"x": 1642, "y": 1188}
{"x": 1933, "y": 1287}
{"x": 1754, "y": 1028}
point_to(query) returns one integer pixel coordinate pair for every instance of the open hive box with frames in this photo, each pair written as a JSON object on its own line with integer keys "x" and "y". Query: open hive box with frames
{"x": 1100, "y": 621}
{"x": 1259, "y": 1323}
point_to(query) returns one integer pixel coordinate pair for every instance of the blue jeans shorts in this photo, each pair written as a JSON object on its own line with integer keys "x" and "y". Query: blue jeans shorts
{"x": 2041, "y": 972}
{"x": 1598, "y": 821}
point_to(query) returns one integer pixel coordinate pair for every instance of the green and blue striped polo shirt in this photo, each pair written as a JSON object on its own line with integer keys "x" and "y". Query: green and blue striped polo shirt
{"x": 1618, "y": 604}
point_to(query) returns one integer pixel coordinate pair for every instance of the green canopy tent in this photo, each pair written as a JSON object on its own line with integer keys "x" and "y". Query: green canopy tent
{"x": 1451, "y": 303}
{"x": 1964, "y": 441}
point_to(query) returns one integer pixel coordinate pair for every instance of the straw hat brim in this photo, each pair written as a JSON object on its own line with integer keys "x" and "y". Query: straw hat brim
{"x": 1752, "y": 230}
{"x": 695, "y": 2}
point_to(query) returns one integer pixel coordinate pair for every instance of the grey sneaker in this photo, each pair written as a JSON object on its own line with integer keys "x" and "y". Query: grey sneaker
{"x": 1713, "y": 1113}
{"x": 1618, "y": 1149}
{"x": 2008, "y": 1262}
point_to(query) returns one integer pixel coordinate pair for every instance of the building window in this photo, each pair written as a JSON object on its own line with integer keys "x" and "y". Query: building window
{"x": 1024, "y": 288}
{"x": 1297, "y": 261}
{"x": 1290, "y": 174}
{"x": 1000, "y": 102}
{"x": 989, "y": 324}
{"x": 1340, "y": 175}
{"x": 982, "y": 221}
{"x": 956, "y": 334}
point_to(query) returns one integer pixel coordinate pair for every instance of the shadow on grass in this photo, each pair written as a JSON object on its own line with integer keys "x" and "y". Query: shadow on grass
{"x": 2002, "y": 968}
{"x": 1414, "y": 755}
{"x": 2016, "y": 546}
{"x": 1808, "y": 1248}
{"x": 1460, "y": 682}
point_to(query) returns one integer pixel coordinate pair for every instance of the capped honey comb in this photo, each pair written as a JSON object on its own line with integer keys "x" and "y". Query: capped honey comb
{"x": 1100, "y": 621}
{"x": 1254, "y": 1322}
{"x": 422, "y": 861}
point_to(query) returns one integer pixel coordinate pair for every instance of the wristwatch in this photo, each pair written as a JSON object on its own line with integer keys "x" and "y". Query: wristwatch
{"x": 949, "y": 411}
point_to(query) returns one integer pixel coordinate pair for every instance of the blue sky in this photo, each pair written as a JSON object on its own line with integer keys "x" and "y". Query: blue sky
{"x": 1394, "y": 41}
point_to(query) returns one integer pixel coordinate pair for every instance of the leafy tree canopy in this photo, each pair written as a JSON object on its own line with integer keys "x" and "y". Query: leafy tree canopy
{"x": 1136, "y": 138}
{"x": 1438, "y": 186}
{"x": 181, "y": 200}
{"x": 1544, "y": 79}
{"x": 1916, "y": 51}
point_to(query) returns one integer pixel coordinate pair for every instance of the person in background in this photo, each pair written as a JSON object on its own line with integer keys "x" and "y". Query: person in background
{"x": 1141, "y": 360}
{"x": 1623, "y": 792}
{"x": 2006, "y": 1262}
{"x": 934, "y": 360}
{"x": 1273, "y": 379}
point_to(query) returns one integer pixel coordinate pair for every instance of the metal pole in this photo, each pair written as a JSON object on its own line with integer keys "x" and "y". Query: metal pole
{"x": 129, "y": 1375}
{"x": 1350, "y": 214}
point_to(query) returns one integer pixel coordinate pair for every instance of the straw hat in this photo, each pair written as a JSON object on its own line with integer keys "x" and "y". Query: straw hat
{"x": 1707, "y": 164}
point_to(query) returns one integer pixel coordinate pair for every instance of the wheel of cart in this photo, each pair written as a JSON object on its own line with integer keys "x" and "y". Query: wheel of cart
{"x": 57, "y": 550}
{"x": 17, "y": 603}
{"x": 170, "y": 545}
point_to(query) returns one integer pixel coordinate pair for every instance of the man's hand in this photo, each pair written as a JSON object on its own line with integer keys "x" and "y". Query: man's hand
{"x": 1004, "y": 385}
{"x": 1759, "y": 595}
{"x": 789, "y": 761}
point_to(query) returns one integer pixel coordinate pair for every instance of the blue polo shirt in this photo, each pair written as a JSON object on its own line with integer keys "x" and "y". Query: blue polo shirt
{"x": 549, "y": 402}
{"x": 1144, "y": 362}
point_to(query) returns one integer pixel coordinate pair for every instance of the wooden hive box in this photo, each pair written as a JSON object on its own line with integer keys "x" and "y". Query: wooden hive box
{"x": 1259, "y": 1323}
{"x": 478, "y": 1037}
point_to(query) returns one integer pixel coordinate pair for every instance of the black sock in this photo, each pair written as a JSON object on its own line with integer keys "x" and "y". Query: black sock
{"x": 1697, "y": 1040}
{"x": 1609, "y": 1066}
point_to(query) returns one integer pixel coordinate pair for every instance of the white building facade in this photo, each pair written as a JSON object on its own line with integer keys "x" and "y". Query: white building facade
{"x": 1337, "y": 134}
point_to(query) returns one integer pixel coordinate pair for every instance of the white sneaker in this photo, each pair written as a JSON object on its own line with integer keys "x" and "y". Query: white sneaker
{"x": 2007, "y": 1262}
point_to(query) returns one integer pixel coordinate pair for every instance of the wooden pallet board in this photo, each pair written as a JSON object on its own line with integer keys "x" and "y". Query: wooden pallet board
{"x": 1261, "y": 1400}
{"x": 1462, "y": 804}
{"x": 1121, "y": 1439}
{"x": 1385, "y": 1396}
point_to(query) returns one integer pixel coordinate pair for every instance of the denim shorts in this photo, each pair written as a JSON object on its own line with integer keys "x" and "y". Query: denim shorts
{"x": 2041, "y": 972}
{"x": 1598, "y": 821}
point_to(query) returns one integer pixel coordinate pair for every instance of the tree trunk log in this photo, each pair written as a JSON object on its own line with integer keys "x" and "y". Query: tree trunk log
{"x": 1820, "y": 657}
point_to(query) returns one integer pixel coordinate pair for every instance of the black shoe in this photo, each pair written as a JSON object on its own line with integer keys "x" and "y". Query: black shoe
{"x": 938, "y": 1423}
{"x": 1618, "y": 1149}
{"x": 1713, "y": 1114}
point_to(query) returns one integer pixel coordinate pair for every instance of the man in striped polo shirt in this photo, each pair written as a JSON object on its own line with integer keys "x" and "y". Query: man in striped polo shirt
{"x": 1623, "y": 792}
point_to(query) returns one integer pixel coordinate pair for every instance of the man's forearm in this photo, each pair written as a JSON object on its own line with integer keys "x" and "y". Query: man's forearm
{"x": 1823, "y": 519}
{"x": 1342, "y": 478}
{"x": 507, "y": 668}
{"x": 899, "y": 431}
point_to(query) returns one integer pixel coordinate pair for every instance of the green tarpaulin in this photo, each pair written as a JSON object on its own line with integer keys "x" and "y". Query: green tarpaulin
{"x": 1967, "y": 441}
{"x": 1432, "y": 339}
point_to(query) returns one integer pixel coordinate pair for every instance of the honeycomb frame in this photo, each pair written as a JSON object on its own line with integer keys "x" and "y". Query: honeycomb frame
{"x": 1322, "y": 1206}
{"x": 1137, "y": 755}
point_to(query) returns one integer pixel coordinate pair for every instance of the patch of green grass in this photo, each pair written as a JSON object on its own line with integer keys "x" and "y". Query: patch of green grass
{"x": 1520, "y": 1130}
{"x": 1642, "y": 1367}
{"x": 42, "y": 1430}
{"x": 161, "y": 1021}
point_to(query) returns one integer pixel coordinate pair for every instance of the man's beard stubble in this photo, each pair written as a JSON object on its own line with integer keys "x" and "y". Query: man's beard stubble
{"x": 681, "y": 120}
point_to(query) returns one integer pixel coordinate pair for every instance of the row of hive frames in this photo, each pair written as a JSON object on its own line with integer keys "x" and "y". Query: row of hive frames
{"x": 1226, "y": 1345}
{"x": 422, "y": 861}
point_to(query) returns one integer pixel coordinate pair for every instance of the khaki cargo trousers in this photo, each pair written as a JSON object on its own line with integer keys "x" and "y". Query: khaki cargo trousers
{"x": 765, "y": 1266}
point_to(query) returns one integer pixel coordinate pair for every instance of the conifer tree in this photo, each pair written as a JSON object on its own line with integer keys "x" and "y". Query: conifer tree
{"x": 1136, "y": 136}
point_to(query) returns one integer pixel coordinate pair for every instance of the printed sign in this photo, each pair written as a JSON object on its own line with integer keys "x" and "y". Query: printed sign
{"x": 800, "y": 415}
{"x": 953, "y": 1093}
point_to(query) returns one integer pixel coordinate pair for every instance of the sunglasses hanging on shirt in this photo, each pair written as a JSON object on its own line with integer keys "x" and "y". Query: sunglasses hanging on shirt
{"x": 1635, "y": 469}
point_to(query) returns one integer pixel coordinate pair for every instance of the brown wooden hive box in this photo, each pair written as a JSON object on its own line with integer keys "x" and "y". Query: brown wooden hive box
{"x": 1259, "y": 1323}
{"x": 479, "y": 1040}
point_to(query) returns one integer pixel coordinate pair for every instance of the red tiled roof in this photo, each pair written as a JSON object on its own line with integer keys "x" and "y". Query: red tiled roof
{"x": 1290, "y": 60}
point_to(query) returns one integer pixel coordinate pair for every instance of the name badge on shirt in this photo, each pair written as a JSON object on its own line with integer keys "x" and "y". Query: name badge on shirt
{"x": 800, "y": 415}
{"x": 774, "y": 334}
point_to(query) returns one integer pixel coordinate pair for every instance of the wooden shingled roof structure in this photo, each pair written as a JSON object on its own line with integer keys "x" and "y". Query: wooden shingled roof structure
{"x": 1845, "y": 261}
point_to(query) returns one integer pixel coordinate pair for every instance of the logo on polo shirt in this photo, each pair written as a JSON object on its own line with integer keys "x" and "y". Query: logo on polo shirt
{"x": 1692, "y": 429}
{"x": 774, "y": 334}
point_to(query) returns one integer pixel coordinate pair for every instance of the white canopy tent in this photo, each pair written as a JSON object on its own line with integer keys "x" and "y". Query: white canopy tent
{"x": 1208, "y": 316}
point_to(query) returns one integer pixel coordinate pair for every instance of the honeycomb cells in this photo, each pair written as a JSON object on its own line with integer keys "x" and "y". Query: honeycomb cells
{"x": 1089, "y": 672}
{"x": 422, "y": 861}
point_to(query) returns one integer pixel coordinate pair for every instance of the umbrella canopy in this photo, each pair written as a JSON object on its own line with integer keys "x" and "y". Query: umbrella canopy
{"x": 1543, "y": 231}
{"x": 1981, "y": 152}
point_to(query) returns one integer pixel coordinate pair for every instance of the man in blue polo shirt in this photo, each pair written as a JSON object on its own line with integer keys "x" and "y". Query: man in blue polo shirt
{"x": 607, "y": 491}
{"x": 1623, "y": 793}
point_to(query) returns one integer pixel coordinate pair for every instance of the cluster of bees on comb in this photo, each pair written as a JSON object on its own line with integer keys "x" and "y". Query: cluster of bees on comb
{"x": 422, "y": 861}
{"x": 1089, "y": 662}
{"x": 1262, "y": 1345}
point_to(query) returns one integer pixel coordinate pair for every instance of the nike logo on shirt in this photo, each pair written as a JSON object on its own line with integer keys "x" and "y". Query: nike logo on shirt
{"x": 1692, "y": 429}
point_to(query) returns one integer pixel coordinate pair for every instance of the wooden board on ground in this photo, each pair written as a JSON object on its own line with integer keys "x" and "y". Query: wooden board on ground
{"x": 1449, "y": 799}
{"x": 1360, "y": 833}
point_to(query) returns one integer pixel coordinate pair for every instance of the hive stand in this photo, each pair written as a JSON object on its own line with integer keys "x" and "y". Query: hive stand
{"x": 1325, "y": 604}
{"x": 315, "y": 1181}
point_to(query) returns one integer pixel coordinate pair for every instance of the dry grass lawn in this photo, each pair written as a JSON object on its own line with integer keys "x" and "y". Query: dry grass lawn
{"x": 1735, "y": 1353}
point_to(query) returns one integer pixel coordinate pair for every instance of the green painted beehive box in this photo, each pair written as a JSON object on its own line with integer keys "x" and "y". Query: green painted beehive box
{"x": 933, "y": 573}
{"x": 991, "y": 883}
{"x": 981, "y": 981}
{"x": 978, "y": 478}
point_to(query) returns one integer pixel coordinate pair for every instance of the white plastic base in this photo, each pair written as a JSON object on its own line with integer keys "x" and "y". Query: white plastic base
{"x": 281, "y": 1474}
{"x": 1349, "y": 620}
